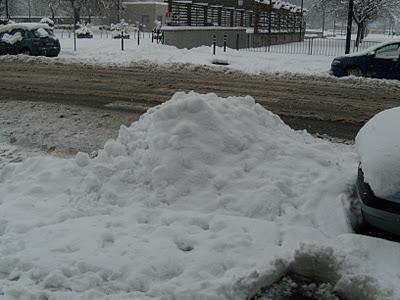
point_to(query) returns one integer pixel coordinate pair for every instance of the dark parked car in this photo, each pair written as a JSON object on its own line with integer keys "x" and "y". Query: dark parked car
{"x": 28, "y": 38}
{"x": 378, "y": 182}
{"x": 381, "y": 61}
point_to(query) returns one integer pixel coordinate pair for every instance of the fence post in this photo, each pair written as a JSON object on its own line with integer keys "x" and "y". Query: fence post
{"x": 224, "y": 42}
{"x": 205, "y": 12}
{"x": 189, "y": 14}
{"x": 214, "y": 44}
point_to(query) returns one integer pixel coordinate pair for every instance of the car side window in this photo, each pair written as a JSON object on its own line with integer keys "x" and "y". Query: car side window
{"x": 27, "y": 34}
{"x": 388, "y": 52}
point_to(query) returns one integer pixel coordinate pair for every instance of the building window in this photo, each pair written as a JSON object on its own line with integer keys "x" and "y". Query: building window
{"x": 145, "y": 20}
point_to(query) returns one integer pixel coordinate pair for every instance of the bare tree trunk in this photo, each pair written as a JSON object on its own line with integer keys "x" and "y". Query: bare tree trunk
{"x": 77, "y": 14}
{"x": 358, "y": 39}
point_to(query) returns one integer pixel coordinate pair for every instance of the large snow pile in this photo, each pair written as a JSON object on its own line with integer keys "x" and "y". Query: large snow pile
{"x": 202, "y": 198}
{"x": 378, "y": 144}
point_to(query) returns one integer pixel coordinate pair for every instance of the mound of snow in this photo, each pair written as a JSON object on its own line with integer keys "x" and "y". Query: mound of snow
{"x": 378, "y": 144}
{"x": 211, "y": 154}
{"x": 202, "y": 198}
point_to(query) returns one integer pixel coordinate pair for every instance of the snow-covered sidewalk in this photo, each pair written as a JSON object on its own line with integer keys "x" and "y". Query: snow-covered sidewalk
{"x": 106, "y": 51}
{"x": 202, "y": 198}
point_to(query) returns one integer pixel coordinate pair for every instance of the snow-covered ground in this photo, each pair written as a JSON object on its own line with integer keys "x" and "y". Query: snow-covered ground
{"x": 202, "y": 198}
{"x": 107, "y": 51}
{"x": 103, "y": 50}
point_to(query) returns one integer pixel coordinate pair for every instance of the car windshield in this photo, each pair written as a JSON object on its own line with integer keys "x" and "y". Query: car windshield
{"x": 42, "y": 33}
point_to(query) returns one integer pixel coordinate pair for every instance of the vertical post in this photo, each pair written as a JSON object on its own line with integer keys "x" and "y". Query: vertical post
{"x": 170, "y": 6}
{"x": 214, "y": 44}
{"x": 349, "y": 24}
{"x": 334, "y": 25}
{"x": 224, "y": 42}
{"x": 256, "y": 16}
{"x": 122, "y": 41}
{"x": 301, "y": 20}
{"x": 29, "y": 10}
{"x": 118, "y": 11}
{"x": 74, "y": 30}
{"x": 237, "y": 41}
{"x": 269, "y": 25}
{"x": 138, "y": 36}
{"x": 205, "y": 16}
{"x": 189, "y": 14}
{"x": 7, "y": 11}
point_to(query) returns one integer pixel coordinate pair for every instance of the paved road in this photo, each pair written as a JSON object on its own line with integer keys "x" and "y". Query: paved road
{"x": 320, "y": 105}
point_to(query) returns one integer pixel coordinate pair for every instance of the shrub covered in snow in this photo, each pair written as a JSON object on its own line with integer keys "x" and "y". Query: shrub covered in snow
{"x": 84, "y": 31}
{"x": 48, "y": 21}
{"x": 120, "y": 30}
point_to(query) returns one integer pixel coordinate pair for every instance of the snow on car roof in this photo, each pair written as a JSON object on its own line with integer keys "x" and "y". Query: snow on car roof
{"x": 25, "y": 26}
{"x": 372, "y": 48}
{"x": 378, "y": 145}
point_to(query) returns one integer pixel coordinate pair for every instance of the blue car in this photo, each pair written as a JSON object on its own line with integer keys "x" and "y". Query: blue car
{"x": 28, "y": 38}
{"x": 381, "y": 61}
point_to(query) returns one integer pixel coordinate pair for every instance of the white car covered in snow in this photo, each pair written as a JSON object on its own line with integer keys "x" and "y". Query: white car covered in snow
{"x": 378, "y": 184}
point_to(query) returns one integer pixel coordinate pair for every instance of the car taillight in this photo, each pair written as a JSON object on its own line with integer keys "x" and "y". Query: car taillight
{"x": 35, "y": 44}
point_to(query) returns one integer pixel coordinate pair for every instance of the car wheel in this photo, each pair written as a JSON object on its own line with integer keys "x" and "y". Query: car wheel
{"x": 354, "y": 71}
{"x": 26, "y": 51}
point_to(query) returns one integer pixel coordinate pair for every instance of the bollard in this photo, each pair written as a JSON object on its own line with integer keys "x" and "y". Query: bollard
{"x": 224, "y": 42}
{"x": 237, "y": 42}
{"x": 138, "y": 37}
{"x": 152, "y": 38}
{"x": 122, "y": 42}
{"x": 214, "y": 44}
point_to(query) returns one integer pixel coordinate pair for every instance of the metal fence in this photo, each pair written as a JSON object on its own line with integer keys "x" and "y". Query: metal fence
{"x": 310, "y": 46}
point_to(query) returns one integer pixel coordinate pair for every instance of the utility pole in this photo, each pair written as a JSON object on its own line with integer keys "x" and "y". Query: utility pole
{"x": 7, "y": 11}
{"x": 349, "y": 24}
{"x": 29, "y": 10}
{"x": 301, "y": 20}
{"x": 269, "y": 25}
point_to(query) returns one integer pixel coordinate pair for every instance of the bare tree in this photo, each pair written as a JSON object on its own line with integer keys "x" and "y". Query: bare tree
{"x": 91, "y": 7}
{"x": 365, "y": 11}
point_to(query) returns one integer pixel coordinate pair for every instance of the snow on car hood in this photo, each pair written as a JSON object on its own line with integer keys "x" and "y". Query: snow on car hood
{"x": 378, "y": 144}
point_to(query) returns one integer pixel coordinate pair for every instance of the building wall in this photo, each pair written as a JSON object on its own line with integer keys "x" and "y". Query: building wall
{"x": 190, "y": 37}
{"x": 145, "y": 13}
